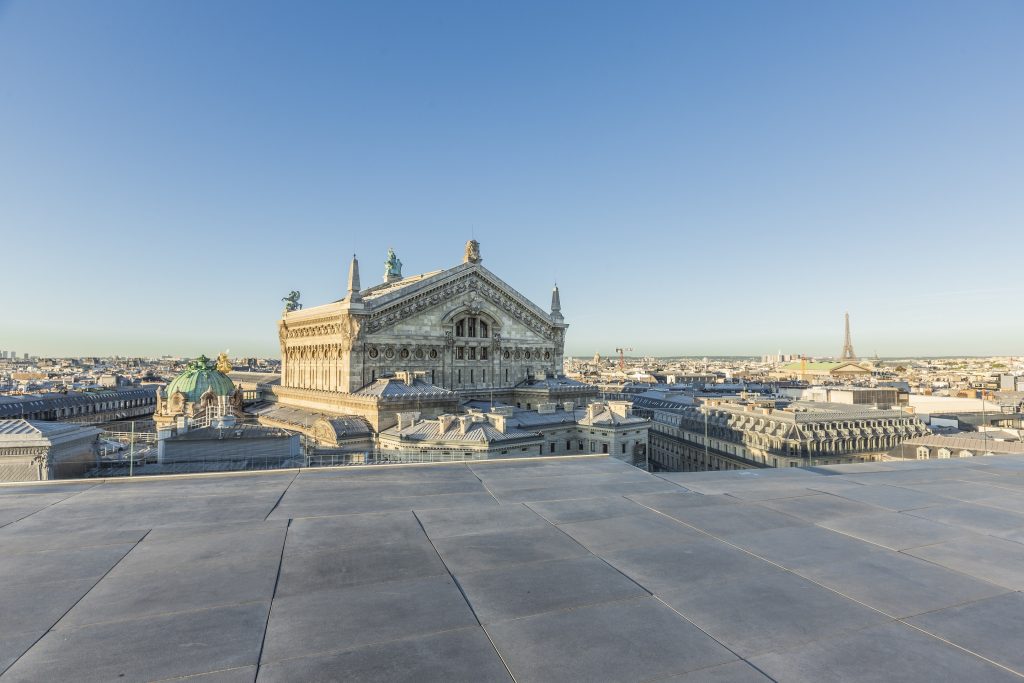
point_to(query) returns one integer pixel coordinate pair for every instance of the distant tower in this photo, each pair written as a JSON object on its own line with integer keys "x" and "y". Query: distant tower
{"x": 848, "y": 353}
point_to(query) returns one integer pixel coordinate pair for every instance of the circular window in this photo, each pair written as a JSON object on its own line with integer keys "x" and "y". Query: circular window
{"x": 404, "y": 354}
{"x": 373, "y": 353}
{"x": 419, "y": 353}
{"x": 527, "y": 355}
{"x": 547, "y": 355}
{"x": 433, "y": 353}
{"x": 389, "y": 354}
{"x": 507, "y": 355}
{"x": 518, "y": 355}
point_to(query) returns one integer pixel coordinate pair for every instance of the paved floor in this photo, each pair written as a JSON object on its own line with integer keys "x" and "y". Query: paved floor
{"x": 580, "y": 569}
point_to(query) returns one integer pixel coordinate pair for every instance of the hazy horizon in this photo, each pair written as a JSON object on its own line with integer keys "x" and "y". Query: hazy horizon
{"x": 700, "y": 179}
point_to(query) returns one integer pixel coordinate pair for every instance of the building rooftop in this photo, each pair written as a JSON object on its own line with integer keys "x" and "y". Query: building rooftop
{"x": 578, "y": 568}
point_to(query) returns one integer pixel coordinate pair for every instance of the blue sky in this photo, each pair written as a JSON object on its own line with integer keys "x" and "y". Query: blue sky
{"x": 700, "y": 178}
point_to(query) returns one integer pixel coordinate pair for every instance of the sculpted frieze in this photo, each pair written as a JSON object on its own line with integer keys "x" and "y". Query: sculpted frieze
{"x": 404, "y": 310}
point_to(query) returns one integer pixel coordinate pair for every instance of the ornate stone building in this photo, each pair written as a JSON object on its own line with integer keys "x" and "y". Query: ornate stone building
{"x": 422, "y": 343}
{"x": 202, "y": 387}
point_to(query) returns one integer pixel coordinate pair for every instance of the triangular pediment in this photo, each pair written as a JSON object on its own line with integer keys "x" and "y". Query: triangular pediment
{"x": 453, "y": 287}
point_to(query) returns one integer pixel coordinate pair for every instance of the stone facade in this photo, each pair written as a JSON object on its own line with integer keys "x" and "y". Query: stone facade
{"x": 421, "y": 343}
{"x": 463, "y": 329}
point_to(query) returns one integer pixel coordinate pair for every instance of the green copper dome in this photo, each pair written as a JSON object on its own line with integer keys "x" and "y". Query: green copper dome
{"x": 199, "y": 376}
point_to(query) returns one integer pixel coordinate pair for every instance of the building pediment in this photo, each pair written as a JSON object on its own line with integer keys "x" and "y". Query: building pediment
{"x": 456, "y": 289}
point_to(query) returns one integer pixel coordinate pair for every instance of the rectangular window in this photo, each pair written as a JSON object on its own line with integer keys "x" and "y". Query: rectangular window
{"x": 483, "y": 353}
{"x": 568, "y": 445}
{"x": 483, "y": 329}
{"x": 581, "y": 445}
{"x": 483, "y": 377}
{"x": 551, "y": 447}
{"x": 471, "y": 328}
{"x": 472, "y": 353}
{"x": 460, "y": 353}
{"x": 460, "y": 376}
{"x": 623, "y": 448}
{"x": 604, "y": 448}
{"x": 471, "y": 377}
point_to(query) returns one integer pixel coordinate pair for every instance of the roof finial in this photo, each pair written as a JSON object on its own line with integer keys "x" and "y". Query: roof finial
{"x": 353, "y": 281}
{"x": 556, "y": 305}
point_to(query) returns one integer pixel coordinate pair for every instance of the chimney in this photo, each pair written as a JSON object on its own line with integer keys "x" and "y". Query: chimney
{"x": 497, "y": 420}
{"x": 407, "y": 419}
{"x": 445, "y": 422}
{"x": 620, "y": 408}
{"x": 568, "y": 406}
{"x": 464, "y": 422}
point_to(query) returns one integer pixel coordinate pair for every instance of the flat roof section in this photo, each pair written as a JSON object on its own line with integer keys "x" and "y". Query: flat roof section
{"x": 529, "y": 570}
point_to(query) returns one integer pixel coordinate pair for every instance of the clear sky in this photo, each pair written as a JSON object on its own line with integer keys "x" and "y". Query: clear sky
{"x": 701, "y": 178}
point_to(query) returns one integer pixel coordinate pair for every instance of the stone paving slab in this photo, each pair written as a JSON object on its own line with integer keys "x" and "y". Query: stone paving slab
{"x": 460, "y": 656}
{"x": 692, "y": 565}
{"x": 616, "y": 533}
{"x": 531, "y": 589}
{"x": 309, "y": 534}
{"x": 994, "y": 628}
{"x": 763, "y": 612}
{"x": 448, "y": 523}
{"x": 895, "y": 531}
{"x": 891, "y": 652}
{"x": 322, "y": 621}
{"x": 891, "y": 497}
{"x": 586, "y": 509}
{"x": 147, "y": 649}
{"x": 179, "y": 574}
{"x": 50, "y": 566}
{"x": 973, "y": 517}
{"x": 337, "y": 567}
{"x": 501, "y": 549}
{"x": 741, "y": 518}
{"x": 990, "y": 559}
{"x": 899, "y": 585}
{"x": 640, "y": 639}
{"x": 819, "y": 508}
{"x": 733, "y": 672}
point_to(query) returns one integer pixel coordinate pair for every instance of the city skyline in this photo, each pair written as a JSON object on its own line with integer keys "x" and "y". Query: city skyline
{"x": 698, "y": 180}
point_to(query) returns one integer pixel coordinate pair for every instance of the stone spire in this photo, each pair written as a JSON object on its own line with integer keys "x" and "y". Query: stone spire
{"x": 353, "y": 281}
{"x": 556, "y": 305}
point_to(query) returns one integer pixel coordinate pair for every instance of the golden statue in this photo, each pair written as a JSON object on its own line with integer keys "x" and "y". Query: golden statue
{"x": 223, "y": 364}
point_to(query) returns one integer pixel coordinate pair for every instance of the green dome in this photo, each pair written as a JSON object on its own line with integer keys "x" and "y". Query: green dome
{"x": 197, "y": 378}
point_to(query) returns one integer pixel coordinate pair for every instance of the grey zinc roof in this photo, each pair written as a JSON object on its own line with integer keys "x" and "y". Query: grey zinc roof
{"x": 476, "y": 432}
{"x": 546, "y": 569}
{"x": 391, "y": 387}
{"x": 14, "y": 406}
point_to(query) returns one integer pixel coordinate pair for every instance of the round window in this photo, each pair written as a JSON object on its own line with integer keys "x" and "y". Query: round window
{"x": 404, "y": 354}
{"x": 373, "y": 353}
{"x": 433, "y": 353}
{"x": 527, "y": 355}
{"x": 389, "y": 354}
{"x": 507, "y": 355}
{"x": 547, "y": 355}
{"x": 419, "y": 353}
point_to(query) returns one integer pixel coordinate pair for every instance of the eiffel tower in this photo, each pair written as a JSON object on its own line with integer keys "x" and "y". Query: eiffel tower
{"x": 848, "y": 353}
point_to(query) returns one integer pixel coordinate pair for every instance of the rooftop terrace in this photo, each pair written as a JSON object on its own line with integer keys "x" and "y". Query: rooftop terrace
{"x": 549, "y": 569}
